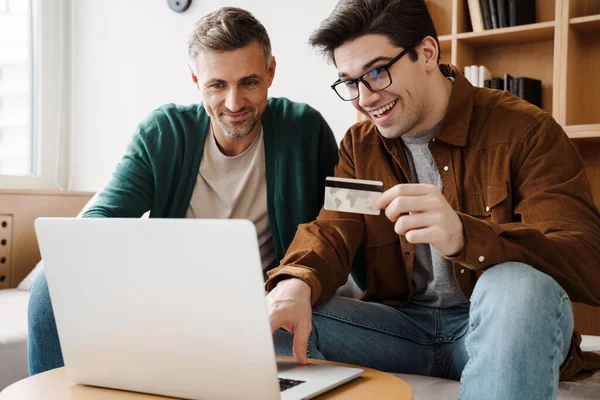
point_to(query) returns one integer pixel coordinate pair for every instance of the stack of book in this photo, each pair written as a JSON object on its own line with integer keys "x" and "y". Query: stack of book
{"x": 477, "y": 74}
{"x": 526, "y": 88}
{"x": 493, "y": 14}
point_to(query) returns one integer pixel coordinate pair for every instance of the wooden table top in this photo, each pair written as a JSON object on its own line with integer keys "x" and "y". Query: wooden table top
{"x": 55, "y": 385}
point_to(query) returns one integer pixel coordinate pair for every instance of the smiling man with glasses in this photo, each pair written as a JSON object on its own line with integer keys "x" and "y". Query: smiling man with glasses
{"x": 488, "y": 226}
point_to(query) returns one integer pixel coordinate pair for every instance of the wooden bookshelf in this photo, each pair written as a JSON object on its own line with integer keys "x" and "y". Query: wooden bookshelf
{"x": 589, "y": 24}
{"x": 539, "y": 32}
{"x": 562, "y": 49}
{"x": 583, "y": 132}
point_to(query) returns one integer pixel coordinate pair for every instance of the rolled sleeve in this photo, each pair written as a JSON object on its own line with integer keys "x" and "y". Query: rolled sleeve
{"x": 483, "y": 245}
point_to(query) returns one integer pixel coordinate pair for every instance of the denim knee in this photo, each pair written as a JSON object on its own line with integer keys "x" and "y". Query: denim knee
{"x": 518, "y": 286}
{"x": 520, "y": 329}
{"x": 43, "y": 348}
{"x": 519, "y": 295}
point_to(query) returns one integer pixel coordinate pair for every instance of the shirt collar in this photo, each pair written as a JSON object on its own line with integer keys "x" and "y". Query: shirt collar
{"x": 454, "y": 126}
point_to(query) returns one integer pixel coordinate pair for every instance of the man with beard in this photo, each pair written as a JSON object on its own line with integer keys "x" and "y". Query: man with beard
{"x": 236, "y": 155}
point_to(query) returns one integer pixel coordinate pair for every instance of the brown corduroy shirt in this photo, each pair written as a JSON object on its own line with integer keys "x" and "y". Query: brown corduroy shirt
{"x": 516, "y": 182}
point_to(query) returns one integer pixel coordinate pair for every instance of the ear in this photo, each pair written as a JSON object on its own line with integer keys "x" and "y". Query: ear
{"x": 271, "y": 70}
{"x": 430, "y": 51}
{"x": 194, "y": 77}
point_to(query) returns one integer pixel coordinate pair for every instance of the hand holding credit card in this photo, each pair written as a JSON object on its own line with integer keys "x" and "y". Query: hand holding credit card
{"x": 352, "y": 195}
{"x": 423, "y": 215}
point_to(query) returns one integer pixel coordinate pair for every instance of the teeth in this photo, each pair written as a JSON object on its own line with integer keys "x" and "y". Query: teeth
{"x": 384, "y": 108}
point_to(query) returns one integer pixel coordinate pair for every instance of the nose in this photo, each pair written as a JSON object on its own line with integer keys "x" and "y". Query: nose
{"x": 235, "y": 100}
{"x": 366, "y": 97}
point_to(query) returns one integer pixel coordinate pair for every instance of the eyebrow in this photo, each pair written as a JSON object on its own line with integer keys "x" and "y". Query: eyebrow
{"x": 249, "y": 77}
{"x": 368, "y": 65}
{"x": 212, "y": 81}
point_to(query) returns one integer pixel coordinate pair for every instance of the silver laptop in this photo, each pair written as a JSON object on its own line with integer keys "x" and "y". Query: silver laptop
{"x": 173, "y": 307}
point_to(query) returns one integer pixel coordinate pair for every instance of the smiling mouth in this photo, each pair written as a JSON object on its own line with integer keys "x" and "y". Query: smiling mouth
{"x": 237, "y": 117}
{"x": 383, "y": 111}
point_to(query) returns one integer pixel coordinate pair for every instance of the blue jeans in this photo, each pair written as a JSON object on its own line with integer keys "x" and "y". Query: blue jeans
{"x": 43, "y": 347}
{"x": 509, "y": 343}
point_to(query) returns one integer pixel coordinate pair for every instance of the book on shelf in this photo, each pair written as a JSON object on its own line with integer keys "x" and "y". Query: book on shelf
{"x": 516, "y": 86}
{"x": 486, "y": 13}
{"x": 530, "y": 89}
{"x": 475, "y": 75}
{"x": 494, "y": 83}
{"x": 484, "y": 74}
{"x": 494, "y": 14}
{"x": 497, "y": 83}
{"x": 502, "y": 6}
{"x": 508, "y": 83}
{"x": 521, "y": 12}
{"x": 475, "y": 14}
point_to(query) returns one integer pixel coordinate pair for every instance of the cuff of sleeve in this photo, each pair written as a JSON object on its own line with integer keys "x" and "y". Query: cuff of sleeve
{"x": 483, "y": 246}
{"x": 290, "y": 271}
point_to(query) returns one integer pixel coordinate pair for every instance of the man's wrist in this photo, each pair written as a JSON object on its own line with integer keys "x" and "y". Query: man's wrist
{"x": 296, "y": 284}
{"x": 288, "y": 272}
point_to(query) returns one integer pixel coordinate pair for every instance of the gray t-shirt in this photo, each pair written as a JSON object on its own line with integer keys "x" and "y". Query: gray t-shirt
{"x": 235, "y": 187}
{"x": 433, "y": 275}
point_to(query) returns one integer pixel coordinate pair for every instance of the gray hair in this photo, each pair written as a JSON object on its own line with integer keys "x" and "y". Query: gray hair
{"x": 227, "y": 29}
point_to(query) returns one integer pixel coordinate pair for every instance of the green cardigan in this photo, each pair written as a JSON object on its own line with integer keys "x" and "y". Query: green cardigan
{"x": 159, "y": 169}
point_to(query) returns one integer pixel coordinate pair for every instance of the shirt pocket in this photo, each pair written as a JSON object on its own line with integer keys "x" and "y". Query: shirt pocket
{"x": 490, "y": 204}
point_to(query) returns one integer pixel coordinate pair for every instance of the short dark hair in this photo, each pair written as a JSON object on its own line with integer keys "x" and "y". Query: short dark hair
{"x": 228, "y": 29}
{"x": 405, "y": 22}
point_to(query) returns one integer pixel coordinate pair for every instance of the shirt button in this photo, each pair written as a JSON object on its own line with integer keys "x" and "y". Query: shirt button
{"x": 446, "y": 168}
{"x": 487, "y": 209}
{"x": 481, "y": 258}
{"x": 433, "y": 140}
{"x": 462, "y": 271}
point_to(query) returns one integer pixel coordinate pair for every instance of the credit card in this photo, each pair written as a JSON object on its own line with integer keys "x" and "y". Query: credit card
{"x": 352, "y": 195}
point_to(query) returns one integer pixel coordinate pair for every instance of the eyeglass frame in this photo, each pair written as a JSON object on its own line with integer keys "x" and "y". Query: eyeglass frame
{"x": 386, "y": 67}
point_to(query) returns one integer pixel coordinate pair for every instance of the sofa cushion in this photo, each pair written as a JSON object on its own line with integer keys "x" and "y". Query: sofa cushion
{"x": 26, "y": 283}
{"x": 13, "y": 336}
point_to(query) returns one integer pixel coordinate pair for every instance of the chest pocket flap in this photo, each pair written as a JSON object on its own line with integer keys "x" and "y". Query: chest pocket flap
{"x": 483, "y": 203}
{"x": 496, "y": 194}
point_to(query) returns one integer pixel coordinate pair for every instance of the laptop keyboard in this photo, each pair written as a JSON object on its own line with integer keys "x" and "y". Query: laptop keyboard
{"x": 285, "y": 384}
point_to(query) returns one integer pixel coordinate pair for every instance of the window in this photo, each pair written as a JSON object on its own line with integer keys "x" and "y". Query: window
{"x": 33, "y": 93}
{"x": 16, "y": 125}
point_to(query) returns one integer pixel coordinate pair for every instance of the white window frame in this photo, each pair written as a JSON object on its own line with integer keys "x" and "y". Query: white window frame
{"x": 51, "y": 33}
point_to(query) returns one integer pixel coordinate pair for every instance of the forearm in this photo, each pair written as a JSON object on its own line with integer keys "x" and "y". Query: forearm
{"x": 569, "y": 253}
{"x": 320, "y": 255}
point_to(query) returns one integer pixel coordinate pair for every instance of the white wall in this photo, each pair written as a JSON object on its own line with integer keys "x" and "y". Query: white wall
{"x": 130, "y": 57}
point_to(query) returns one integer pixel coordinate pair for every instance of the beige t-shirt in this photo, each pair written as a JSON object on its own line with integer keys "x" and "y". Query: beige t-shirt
{"x": 234, "y": 187}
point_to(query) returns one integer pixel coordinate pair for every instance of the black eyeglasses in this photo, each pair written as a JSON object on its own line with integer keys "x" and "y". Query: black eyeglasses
{"x": 375, "y": 80}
